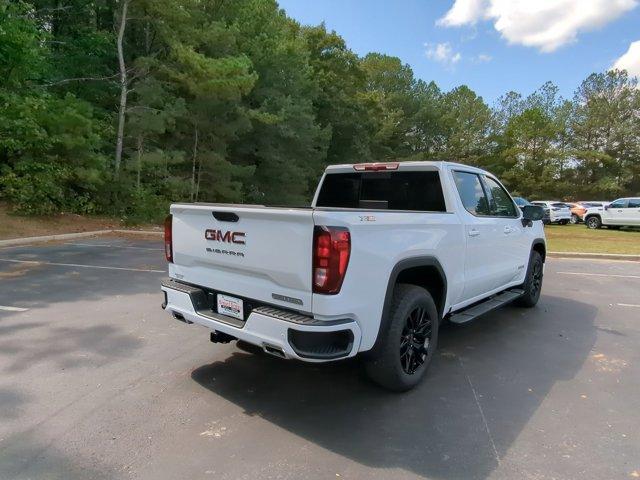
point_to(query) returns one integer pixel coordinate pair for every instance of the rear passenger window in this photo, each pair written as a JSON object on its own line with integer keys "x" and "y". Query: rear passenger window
{"x": 471, "y": 193}
{"x": 634, "y": 203}
{"x": 415, "y": 191}
{"x": 499, "y": 201}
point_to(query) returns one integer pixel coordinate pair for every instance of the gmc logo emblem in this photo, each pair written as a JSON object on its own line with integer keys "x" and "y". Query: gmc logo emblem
{"x": 226, "y": 237}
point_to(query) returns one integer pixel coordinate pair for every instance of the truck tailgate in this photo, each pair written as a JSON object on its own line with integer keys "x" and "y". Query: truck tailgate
{"x": 260, "y": 253}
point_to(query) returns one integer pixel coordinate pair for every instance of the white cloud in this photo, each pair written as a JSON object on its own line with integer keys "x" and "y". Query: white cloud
{"x": 543, "y": 24}
{"x": 630, "y": 61}
{"x": 483, "y": 58}
{"x": 464, "y": 12}
{"x": 442, "y": 53}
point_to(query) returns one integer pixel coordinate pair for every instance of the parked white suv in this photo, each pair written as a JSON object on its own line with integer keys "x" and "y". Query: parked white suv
{"x": 621, "y": 212}
{"x": 383, "y": 255}
{"x": 555, "y": 212}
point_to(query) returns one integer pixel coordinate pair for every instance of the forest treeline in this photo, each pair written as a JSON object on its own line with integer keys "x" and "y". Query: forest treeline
{"x": 119, "y": 107}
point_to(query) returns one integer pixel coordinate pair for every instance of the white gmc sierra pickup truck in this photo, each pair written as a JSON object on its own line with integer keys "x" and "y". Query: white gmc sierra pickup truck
{"x": 385, "y": 253}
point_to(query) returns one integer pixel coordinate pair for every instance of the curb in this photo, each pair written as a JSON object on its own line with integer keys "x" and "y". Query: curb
{"x": 595, "y": 256}
{"x": 139, "y": 232}
{"x": 67, "y": 236}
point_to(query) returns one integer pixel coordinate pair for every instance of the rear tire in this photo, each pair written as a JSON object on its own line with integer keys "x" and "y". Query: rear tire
{"x": 564, "y": 222}
{"x": 593, "y": 222}
{"x": 532, "y": 285}
{"x": 407, "y": 346}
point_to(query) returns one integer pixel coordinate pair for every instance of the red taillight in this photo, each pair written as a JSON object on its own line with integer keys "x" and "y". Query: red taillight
{"x": 168, "y": 238}
{"x": 331, "y": 249}
{"x": 375, "y": 167}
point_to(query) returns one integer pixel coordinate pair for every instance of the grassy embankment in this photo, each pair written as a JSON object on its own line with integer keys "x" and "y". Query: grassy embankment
{"x": 579, "y": 238}
{"x": 17, "y": 226}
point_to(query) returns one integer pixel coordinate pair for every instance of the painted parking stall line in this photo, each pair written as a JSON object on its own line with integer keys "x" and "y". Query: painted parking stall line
{"x": 126, "y": 269}
{"x": 612, "y": 275}
{"x": 5, "y": 308}
{"x": 106, "y": 245}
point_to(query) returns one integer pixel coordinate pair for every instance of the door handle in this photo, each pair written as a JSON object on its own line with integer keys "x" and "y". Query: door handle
{"x": 474, "y": 232}
{"x": 508, "y": 230}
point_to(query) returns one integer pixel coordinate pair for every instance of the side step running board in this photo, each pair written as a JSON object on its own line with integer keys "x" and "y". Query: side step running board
{"x": 485, "y": 306}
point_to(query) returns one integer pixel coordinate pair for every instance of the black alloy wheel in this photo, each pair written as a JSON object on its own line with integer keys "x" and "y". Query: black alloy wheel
{"x": 532, "y": 285}
{"x": 415, "y": 340}
{"x": 536, "y": 279}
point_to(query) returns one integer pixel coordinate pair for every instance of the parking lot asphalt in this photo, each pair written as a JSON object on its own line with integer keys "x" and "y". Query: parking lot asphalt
{"x": 96, "y": 381}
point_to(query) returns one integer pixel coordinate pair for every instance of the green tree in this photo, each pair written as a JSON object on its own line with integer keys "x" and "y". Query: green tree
{"x": 605, "y": 134}
{"x": 286, "y": 143}
{"x": 391, "y": 104}
{"x": 466, "y": 118}
{"x": 339, "y": 104}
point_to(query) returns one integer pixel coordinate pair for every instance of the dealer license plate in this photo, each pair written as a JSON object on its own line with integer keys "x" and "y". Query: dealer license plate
{"x": 230, "y": 306}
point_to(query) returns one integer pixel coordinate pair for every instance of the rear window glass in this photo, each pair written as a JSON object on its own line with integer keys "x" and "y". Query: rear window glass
{"x": 417, "y": 191}
{"x": 560, "y": 205}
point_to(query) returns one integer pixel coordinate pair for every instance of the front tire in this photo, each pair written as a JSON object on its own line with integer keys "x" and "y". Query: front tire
{"x": 593, "y": 222}
{"x": 407, "y": 346}
{"x": 533, "y": 281}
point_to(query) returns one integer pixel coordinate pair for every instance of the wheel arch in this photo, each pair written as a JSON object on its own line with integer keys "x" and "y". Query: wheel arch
{"x": 423, "y": 271}
{"x": 540, "y": 246}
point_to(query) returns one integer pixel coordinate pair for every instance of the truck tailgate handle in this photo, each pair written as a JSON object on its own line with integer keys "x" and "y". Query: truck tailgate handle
{"x": 225, "y": 216}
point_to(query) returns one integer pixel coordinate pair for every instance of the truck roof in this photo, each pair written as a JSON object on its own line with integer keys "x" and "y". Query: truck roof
{"x": 412, "y": 165}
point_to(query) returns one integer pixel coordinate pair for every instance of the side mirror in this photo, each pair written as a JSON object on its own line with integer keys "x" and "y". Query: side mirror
{"x": 531, "y": 213}
{"x": 606, "y": 207}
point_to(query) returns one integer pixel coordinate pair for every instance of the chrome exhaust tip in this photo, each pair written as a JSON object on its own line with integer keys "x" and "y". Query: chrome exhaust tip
{"x": 275, "y": 351}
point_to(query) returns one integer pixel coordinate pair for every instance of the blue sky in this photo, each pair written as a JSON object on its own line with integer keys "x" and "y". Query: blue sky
{"x": 491, "y": 45}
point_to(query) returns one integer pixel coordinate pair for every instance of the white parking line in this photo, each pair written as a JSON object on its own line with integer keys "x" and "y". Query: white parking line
{"x": 12, "y": 309}
{"x": 628, "y": 305}
{"x": 112, "y": 246}
{"x": 36, "y": 262}
{"x": 599, "y": 274}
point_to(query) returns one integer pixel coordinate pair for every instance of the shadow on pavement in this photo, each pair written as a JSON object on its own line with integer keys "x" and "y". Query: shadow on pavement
{"x": 501, "y": 366}
{"x": 11, "y": 402}
{"x": 26, "y": 458}
{"x": 66, "y": 347}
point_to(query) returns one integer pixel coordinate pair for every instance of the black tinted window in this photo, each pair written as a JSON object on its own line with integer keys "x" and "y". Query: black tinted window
{"x": 619, "y": 204}
{"x": 471, "y": 193}
{"x": 418, "y": 191}
{"x": 500, "y": 203}
{"x": 634, "y": 203}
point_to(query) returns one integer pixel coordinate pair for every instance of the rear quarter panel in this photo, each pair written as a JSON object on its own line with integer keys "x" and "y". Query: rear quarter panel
{"x": 379, "y": 240}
